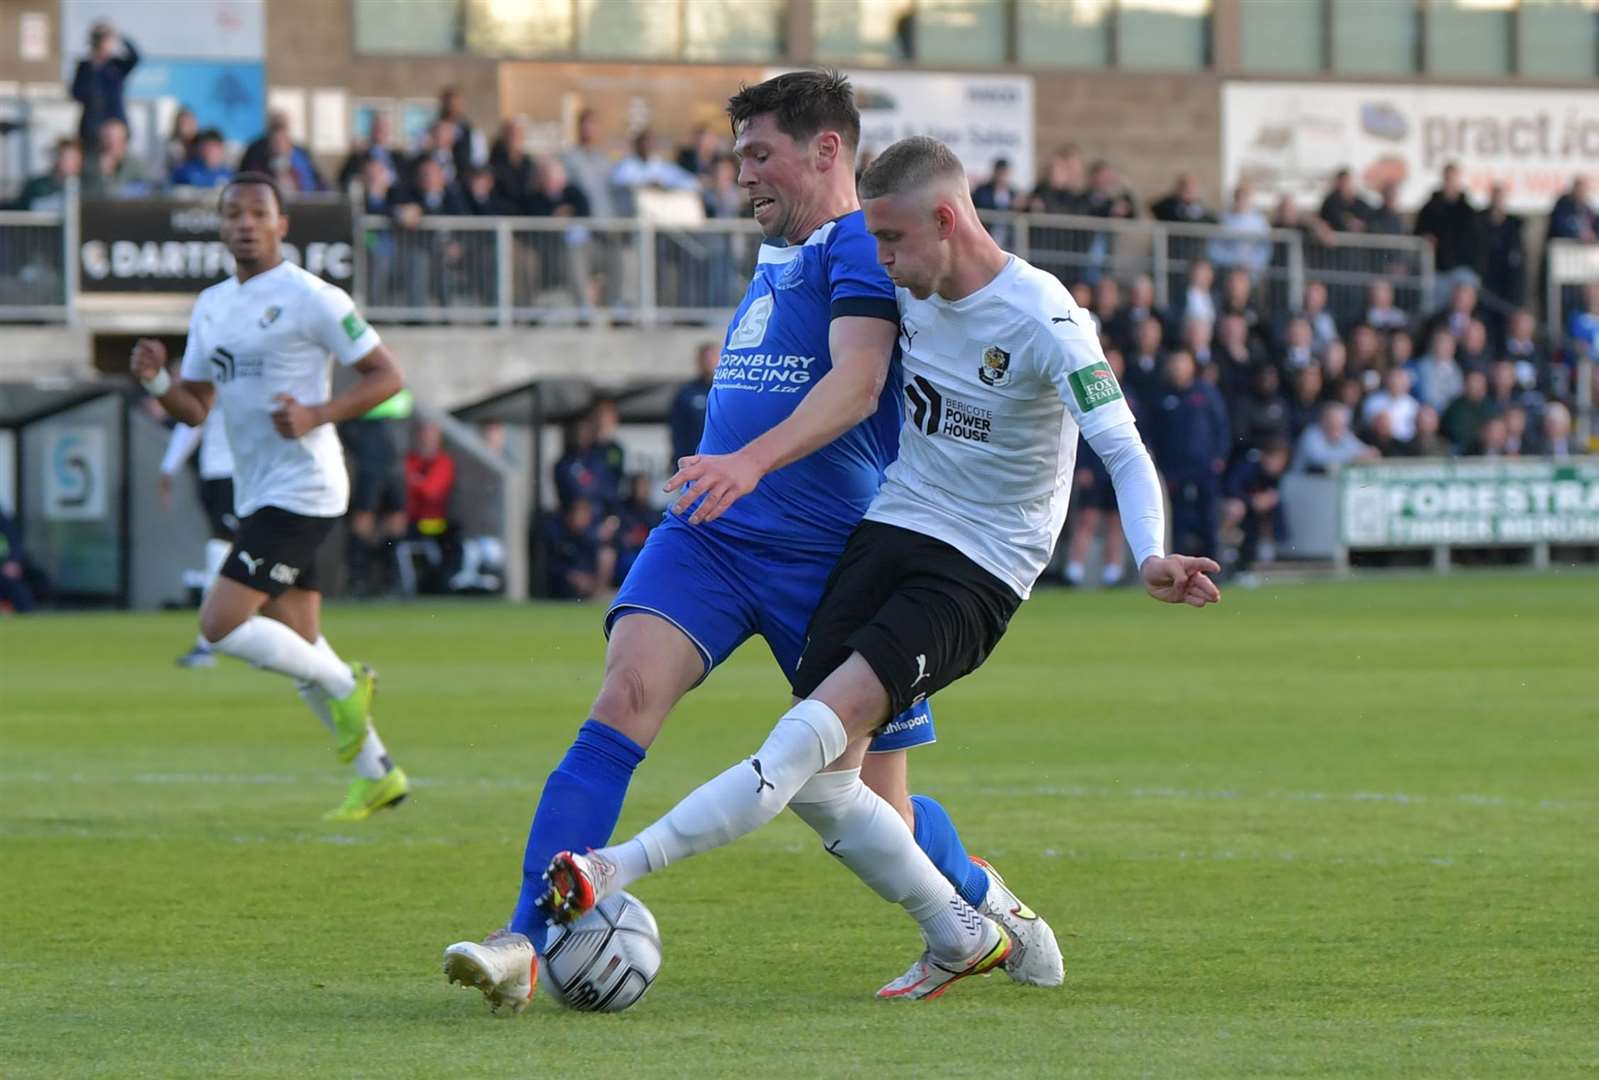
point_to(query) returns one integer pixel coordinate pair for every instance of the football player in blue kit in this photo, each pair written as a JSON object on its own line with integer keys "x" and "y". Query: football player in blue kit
{"x": 802, "y": 420}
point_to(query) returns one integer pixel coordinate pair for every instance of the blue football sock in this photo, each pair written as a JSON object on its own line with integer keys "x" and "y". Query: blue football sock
{"x": 936, "y": 835}
{"x": 582, "y": 800}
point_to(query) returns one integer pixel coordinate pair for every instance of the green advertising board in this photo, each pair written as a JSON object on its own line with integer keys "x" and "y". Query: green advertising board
{"x": 1469, "y": 502}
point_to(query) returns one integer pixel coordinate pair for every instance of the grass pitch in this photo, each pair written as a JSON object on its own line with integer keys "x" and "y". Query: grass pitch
{"x": 1333, "y": 830}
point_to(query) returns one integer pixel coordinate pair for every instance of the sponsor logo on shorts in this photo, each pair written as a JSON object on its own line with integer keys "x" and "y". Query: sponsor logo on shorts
{"x": 254, "y": 565}
{"x": 921, "y": 670}
{"x": 937, "y": 413}
{"x": 1094, "y": 386}
{"x": 284, "y": 574}
{"x": 903, "y": 723}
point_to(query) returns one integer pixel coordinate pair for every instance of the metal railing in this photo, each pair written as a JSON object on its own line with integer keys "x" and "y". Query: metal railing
{"x": 35, "y": 271}
{"x": 520, "y": 270}
{"x": 511, "y": 270}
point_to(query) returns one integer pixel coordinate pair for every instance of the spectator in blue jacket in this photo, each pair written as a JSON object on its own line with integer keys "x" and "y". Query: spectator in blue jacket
{"x": 1192, "y": 435}
{"x": 98, "y": 82}
{"x": 688, "y": 407}
{"x": 207, "y": 166}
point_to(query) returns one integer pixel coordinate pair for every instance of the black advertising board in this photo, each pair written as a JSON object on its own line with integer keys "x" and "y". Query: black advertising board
{"x": 170, "y": 246}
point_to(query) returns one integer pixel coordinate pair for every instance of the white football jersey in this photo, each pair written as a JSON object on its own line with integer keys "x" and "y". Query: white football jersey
{"x": 272, "y": 335}
{"x": 997, "y": 386}
{"x": 216, "y": 456}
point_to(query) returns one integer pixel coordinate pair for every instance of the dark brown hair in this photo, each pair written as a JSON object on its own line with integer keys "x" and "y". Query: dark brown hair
{"x": 802, "y": 103}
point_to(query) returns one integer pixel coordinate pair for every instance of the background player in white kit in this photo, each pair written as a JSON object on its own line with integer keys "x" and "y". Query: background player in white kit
{"x": 1001, "y": 371}
{"x": 216, "y": 497}
{"x": 258, "y": 347}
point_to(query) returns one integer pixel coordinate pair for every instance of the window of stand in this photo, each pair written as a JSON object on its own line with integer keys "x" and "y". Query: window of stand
{"x": 728, "y": 30}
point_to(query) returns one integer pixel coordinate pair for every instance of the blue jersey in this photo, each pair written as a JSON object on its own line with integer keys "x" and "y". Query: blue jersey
{"x": 775, "y": 351}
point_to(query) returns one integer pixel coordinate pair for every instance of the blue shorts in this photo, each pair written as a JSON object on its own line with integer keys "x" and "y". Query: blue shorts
{"x": 720, "y": 590}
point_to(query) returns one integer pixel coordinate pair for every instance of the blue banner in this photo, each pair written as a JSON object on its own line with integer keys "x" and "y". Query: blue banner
{"x": 227, "y": 95}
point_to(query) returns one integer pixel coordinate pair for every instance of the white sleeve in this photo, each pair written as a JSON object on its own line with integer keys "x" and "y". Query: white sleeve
{"x": 334, "y": 324}
{"x": 1076, "y": 366}
{"x": 180, "y": 446}
{"x": 1138, "y": 495}
{"x": 194, "y": 368}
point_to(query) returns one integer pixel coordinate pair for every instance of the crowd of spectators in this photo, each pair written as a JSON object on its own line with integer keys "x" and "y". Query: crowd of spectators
{"x": 1231, "y": 397}
{"x": 604, "y": 512}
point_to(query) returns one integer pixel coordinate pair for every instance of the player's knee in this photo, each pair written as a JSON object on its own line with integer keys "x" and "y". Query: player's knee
{"x": 216, "y": 625}
{"x": 627, "y": 702}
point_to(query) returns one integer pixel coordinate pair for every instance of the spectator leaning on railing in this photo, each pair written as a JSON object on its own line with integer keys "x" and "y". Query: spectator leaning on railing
{"x": 111, "y": 169}
{"x": 1448, "y": 222}
{"x": 1504, "y": 249}
{"x": 1242, "y": 252}
{"x": 47, "y": 192}
{"x": 276, "y": 154}
{"x": 1343, "y": 209}
{"x": 1060, "y": 190}
{"x": 207, "y": 165}
{"x": 464, "y": 144}
{"x": 515, "y": 173}
{"x": 180, "y": 144}
{"x": 378, "y": 147}
{"x": 1183, "y": 204}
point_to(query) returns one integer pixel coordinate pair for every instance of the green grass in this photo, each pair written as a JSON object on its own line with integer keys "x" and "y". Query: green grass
{"x": 1333, "y": 830}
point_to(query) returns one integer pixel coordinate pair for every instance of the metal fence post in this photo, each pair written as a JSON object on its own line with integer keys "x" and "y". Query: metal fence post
{"x": 1296, "y": 271}
{"x": 648, "y": 315}
{"x": 1429, "y": 274}
{"x": 358, "y": 267}
{"x": 71, "y": 265}
{"x": 1583, "y": 428}
{"x": 502, "y": 269}
{"x": 1160, "y": 264}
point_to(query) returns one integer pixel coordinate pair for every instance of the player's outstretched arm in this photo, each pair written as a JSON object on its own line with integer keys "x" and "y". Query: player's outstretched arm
{"x": 183, "y": 399}
{"x": 380, "y": 380}
{"x": 861, "y": 347}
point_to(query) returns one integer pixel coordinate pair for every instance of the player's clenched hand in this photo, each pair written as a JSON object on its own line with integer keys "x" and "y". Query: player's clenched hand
{"x": 1181, "y": 579}
{"x": 149, "y": 357}
{"x": 722, "y": 479}
{"x": 292, "y": 419}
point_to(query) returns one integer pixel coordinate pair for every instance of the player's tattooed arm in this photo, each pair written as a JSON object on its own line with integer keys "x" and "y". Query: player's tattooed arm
{"x": 861, "y": 347}
{"x": 380, "y": 380}
{"x": 183, "y": 399}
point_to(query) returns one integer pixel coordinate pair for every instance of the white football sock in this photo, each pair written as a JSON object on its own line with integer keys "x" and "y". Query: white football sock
{"x": 216, "y": 553}
{"x": 316, "y": 699}
{"x": 269, "y": 644}
{"x": 742, "y": 799}
{"x": 867, "y": 834}
{"x": 1112, "y": 574}
{"x": 373, "y": 762}
{"x": 201, "y": 643}
{"x": 1074, "y": 573}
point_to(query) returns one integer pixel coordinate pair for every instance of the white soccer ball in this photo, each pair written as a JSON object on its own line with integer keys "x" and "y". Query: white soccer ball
{"x": 606, "y": 960}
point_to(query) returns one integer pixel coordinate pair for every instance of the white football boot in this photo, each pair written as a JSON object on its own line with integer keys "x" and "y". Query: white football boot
{"x": 503, "y": 966}
{"x": 929, "y": 977}
{"x": 1036, "y": 959}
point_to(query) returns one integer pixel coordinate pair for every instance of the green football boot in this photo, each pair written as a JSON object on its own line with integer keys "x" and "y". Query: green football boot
{"x": 366, "y": 797}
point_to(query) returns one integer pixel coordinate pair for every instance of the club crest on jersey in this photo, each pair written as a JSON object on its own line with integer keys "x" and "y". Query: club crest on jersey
{"x": 995, "y": 368}
{"x": 269, "y": 316}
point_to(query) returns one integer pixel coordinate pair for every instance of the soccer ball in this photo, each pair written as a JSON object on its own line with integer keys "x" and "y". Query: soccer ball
{"x": 606, "y": 960}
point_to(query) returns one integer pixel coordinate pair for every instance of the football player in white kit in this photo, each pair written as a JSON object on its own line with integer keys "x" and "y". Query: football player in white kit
{"x": 258, "y": 348}
{"x": 1001, "y": 371}
{"x": 216, "y": 497}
